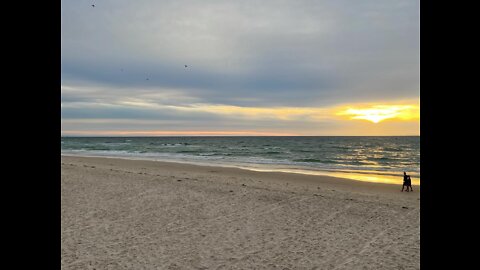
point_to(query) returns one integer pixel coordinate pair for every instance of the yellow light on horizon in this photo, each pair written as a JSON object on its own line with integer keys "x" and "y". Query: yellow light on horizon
{"x": 378, "y": 113}
{"x": 402, "y": 118}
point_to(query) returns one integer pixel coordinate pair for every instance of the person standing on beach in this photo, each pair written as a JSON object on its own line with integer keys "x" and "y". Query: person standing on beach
{"x": 409, "y": 183}
{"x": 405, "y": 181}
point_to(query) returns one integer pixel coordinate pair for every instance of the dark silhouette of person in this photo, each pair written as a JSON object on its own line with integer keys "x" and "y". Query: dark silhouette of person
{"x": 409, "y": 183}
{"x": 405, "y": 181}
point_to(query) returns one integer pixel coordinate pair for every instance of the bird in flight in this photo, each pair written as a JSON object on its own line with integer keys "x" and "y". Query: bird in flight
{"x": 146, "y": 79}
{"x": 185, "y": 65}
{"x": 93, "y": 5}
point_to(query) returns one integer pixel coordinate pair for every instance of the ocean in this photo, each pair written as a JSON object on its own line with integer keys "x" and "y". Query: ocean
{"x": 374, "y": 159}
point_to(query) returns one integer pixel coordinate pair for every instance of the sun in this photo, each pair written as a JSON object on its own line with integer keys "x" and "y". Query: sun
{"x": 378, "y": 113}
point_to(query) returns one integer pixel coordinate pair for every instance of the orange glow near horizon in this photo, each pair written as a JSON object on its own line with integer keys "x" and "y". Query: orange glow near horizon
{"x": 386, "y": 119}
{"x": 378, "y": 113}
{"x": 375, "y": 113}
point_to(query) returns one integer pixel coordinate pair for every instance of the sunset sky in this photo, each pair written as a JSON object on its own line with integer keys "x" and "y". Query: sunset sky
{"x": 253, "y": 67}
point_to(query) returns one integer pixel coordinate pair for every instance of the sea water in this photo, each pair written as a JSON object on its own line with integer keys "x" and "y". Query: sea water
{"x": 375, "y": 159}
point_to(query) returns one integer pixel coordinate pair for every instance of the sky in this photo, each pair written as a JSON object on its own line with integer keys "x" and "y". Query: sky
{"x": 240, "y": 68}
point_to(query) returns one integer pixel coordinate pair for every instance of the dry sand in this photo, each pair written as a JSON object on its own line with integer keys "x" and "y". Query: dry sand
{"x": 130, "y": 214}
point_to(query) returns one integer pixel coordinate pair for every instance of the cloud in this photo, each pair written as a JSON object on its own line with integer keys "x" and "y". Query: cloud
{"x": 242, "y": 54}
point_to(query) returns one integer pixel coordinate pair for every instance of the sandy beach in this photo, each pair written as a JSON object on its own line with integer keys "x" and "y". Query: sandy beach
{"x": 134, "y": 214}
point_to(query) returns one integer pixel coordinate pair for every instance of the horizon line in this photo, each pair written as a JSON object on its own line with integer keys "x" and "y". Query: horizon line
{"x": 154, "y": 136}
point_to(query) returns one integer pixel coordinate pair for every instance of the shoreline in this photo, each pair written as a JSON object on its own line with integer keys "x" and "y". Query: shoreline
{"x": 362, "y": 176}
{"x": 274, "y": 177}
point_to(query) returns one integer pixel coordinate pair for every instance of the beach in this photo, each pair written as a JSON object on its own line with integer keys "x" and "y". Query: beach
{"x": 139, "y": 214}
